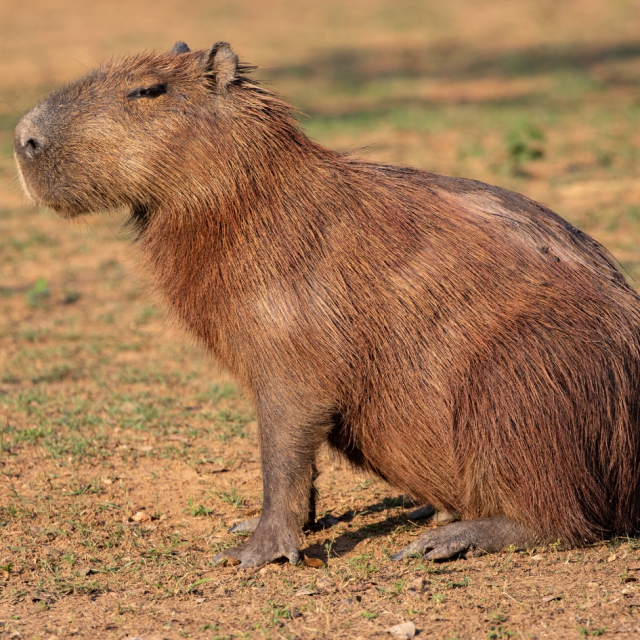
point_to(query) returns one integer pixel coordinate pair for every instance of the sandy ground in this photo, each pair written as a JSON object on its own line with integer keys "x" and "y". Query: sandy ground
{"x": 125, "y": 454}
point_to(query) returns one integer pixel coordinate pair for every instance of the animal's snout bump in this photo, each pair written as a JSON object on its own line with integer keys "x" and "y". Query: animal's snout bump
{"x": 33, "y": 146}
{"x": 28, "y": 141}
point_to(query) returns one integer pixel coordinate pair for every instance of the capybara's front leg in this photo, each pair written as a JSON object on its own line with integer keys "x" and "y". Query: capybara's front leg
{"x": 251, "y": 524}
{"x": 470, "y": 537}
{"x": 289, "y": 440}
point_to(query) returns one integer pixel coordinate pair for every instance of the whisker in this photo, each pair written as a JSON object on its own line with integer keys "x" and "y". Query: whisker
{"x": 20, "y": 101}
{"x": 13, "y": 106}
{"x": 91, "y": 56}
{"x": 80, "y": 63}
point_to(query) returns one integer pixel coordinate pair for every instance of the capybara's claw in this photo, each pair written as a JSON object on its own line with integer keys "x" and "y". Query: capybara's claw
{"x": 249, "y": 525}
{"x": 223, "y": 558}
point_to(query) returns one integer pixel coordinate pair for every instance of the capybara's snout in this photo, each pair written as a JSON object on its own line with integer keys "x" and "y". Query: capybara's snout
{"x": 32, "y": 143}
{"x": 30, "y": 136}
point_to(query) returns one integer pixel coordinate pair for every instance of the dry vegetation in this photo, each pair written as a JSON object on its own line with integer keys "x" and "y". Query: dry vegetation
{"x": 104, "y": 413}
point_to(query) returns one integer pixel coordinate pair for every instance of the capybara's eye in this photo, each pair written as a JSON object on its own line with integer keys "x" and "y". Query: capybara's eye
{"x": 153, "y": 91}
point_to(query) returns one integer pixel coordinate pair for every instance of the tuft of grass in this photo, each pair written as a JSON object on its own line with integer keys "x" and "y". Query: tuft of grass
{"x": 232, "y": 497}
{"x": 500, "y": 633}
{"x": 217, "y": 392}
{"x": 524, "y": 145}
{"x": 199, "y": 510}
{"x": 586, "y": 631}
{"x": 37, "y": 294}
{"x": 57, "y": 373}
{"x": 363, "y": 563}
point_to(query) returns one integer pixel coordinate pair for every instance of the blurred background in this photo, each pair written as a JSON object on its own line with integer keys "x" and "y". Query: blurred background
{"x": 540, "y": 96}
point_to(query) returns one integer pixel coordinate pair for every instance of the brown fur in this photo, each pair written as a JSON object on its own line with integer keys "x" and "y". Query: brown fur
{"x": 459, "y": 340}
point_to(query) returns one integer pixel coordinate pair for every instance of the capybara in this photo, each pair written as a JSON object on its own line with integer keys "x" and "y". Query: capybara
{"x": 458, "y": 340}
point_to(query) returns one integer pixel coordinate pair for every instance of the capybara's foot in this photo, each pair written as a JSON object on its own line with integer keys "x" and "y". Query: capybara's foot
{"x": 425, "y": 512}
{"x": 470, "y": 537}
{"x": 263, "y": 546}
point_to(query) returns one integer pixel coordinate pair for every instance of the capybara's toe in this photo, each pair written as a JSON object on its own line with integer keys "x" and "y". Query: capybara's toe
{"x": 248, "y": 525}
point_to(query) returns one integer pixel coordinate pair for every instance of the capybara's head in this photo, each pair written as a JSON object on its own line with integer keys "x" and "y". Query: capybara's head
{"x": 137, "y": 131}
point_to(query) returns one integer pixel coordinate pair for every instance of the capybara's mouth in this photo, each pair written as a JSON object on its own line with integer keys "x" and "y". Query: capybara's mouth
{"x": 62, "y": 211}
{"x": 34, "y": 195}
{"x": 66, "y": 211}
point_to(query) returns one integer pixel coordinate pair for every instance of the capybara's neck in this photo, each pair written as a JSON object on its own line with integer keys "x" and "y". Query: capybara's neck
{"x": 255, "y": 214}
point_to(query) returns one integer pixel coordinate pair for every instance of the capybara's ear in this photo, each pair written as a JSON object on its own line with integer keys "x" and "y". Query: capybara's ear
{"x": 180, "y": 47}
{"x": 221, "y": 65}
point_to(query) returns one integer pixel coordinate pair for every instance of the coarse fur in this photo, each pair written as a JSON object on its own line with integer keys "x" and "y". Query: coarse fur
{"x": 459, "y": 340}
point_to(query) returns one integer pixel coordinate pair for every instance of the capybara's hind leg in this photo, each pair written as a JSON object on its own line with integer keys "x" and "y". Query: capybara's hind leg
{"x": 469, "y": 537}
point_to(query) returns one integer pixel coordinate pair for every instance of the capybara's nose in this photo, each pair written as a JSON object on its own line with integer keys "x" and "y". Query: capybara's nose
{"x": 28, "y": 140}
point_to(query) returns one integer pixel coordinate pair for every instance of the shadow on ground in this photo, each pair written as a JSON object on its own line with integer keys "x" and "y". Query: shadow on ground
{"x": 355, "y": 67}
{"x": 397, "y": 509}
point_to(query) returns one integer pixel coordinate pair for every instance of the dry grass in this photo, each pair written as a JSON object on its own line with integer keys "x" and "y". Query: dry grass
{"x": 105, "y": 414}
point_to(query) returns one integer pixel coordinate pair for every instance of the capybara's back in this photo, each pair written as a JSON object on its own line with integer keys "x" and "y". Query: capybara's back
{"x": 459, "y": 340}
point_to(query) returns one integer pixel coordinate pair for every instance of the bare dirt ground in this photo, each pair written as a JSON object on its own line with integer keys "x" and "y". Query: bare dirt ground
{"x": 125, "y": 455}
